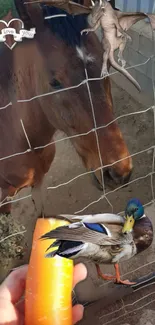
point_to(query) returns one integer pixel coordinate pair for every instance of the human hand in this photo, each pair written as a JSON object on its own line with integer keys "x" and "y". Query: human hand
{"x": 12, "y": 290}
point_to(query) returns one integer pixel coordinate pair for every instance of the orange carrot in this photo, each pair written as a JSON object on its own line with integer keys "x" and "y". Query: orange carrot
{"x": 49, "y": 281}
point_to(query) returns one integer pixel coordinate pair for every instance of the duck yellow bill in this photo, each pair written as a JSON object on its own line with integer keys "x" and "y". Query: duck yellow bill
{"x": 129, "y": 224}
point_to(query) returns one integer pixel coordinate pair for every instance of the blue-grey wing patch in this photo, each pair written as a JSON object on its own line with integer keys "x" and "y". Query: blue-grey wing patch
{"x": 96, "y": 227}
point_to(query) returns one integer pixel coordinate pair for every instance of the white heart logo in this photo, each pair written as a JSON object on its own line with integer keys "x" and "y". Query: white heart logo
{"x": 9, "y": 32}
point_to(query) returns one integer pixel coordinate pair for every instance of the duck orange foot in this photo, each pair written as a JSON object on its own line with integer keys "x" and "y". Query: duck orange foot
{"x": 112, "y": 277}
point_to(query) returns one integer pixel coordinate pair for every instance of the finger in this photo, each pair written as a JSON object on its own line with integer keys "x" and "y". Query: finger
{"x": 77, "y": 313}
{"x": 80, "y": 273}
{"x": 14, "y": 285}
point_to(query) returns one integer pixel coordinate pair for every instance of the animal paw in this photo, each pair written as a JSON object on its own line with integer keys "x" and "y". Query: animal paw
{"x": 84, "y": 31}
{"x": 104, "y": 73}
{"x": 129, "y": 38}
{"x": 122, "y": 61}
{"x": 126, "y": 37}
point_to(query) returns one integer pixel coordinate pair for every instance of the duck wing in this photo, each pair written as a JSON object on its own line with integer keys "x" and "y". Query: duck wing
{"x": 109, "y": 218}
{"x": 96, "y": 233}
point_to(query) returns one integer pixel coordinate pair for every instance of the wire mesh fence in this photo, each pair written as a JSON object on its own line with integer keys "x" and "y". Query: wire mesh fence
{"x": 105, "y": 194}
{"x": 149, "y": 297}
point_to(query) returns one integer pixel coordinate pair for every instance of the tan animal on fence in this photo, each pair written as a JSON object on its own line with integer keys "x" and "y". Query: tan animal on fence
{"x": 114, "y": 36}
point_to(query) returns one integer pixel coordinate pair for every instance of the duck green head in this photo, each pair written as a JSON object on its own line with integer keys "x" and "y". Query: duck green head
{"x": 133, "y": 212}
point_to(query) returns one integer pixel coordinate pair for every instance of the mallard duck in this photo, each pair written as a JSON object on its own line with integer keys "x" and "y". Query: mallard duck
{"x": 104, "y": 238}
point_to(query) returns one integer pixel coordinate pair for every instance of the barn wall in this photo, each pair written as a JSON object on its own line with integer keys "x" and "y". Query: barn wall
{"x": 136, "y": 5}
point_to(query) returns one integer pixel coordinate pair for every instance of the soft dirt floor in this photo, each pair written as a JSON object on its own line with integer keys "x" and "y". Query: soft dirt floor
{"x": 139, "y": 135}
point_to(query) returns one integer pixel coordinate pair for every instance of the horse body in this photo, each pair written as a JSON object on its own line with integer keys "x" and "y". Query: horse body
{"x": 49, "y": 63}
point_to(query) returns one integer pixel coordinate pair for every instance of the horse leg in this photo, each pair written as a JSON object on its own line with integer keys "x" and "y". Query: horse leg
{"x": 39, "y": 187}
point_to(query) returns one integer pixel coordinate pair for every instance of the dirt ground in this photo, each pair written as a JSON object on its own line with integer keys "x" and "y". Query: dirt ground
{"x": 139, "y": 135}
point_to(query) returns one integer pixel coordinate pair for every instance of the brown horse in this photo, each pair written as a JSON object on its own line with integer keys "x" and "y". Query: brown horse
{"x": 57, "y": 58}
